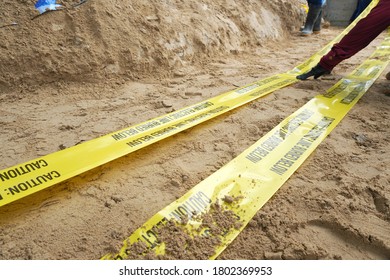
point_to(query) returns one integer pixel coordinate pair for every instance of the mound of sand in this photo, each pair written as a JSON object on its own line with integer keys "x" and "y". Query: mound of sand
{"x": 105, "y": 38}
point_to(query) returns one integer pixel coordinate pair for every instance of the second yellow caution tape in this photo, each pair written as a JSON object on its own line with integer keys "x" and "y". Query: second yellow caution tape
{"x": 30, "y": 177}
{"x": 256, "y": 174}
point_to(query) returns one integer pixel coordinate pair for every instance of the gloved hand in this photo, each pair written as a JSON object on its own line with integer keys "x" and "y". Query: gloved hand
{"x": 317, "y": 71}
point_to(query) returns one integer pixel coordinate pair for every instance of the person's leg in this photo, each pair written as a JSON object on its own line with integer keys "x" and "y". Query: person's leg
{"x": 365, "y": 31}
{"x": 361, "y": 5}
{"x": 317, "y": 23}
{"x": 364, "y": 4}
{"x": 311, "y": 18}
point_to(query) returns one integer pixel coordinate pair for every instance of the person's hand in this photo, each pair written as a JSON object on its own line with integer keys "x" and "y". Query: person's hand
{"x": 317, "y": 71}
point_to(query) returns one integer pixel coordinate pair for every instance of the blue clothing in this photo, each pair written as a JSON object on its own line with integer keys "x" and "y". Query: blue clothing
{"x": 317, "y": 2}
{"x": 45, "y": 5}
{"x": 361, "y": 6}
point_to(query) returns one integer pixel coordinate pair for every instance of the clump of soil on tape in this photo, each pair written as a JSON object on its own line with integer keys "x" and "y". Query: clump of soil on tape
{"x": 182, "y": 243}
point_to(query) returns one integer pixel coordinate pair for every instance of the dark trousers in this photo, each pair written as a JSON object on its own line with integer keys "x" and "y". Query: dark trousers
{"x": 364, "y": 32}
{"x": 361, "y": 5}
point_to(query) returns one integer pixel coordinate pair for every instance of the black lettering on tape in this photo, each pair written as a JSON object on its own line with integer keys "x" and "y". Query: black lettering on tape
{"x": 258, "y": 154}
{"x": 301, "y": 147}
{"x": 203, "y": 105}
{"x": 32, "y": 183}
{"x": 180, "y": 124}
{"x": 12, "y": 174}
{"x": 147, "y": 125}
{"x": 201, "y": 202}
{"x": 278, "y": 169}
{"x": 43, "y": 163}
{"x": 265, "y": 148}
{"x": 183, "y": 210}
{"x": 188, "y": 111}
{"x": 23, "y": 187}
{"x": 124, "y": 134}
{"x": 295, "y": 153}
{"x": 13, "y": 190}
{"x": 139, "y": 141}
{"x": 286, "y": 162}
{"x": 193, "y": 205}
{"x": 175, "y": 214}
{"x": 360, "y": 70}
{"x": 164, "y": 120}
{"x": 22, "y": 170}
{"x": 271, "y": 143}
{"x": 268, "y": 80}
{"x": 354, "y": 94}
{"x": 163, "y": 131}
{"x": 304, "y": 143}
{"x": 183, "y": 113}
{"x": 151, "y": 235}
{"x": 294, "y": 123}
{"x": 339, "y": 88}
{"x": 282, "y": 166}
{"x": 162, "y": 222}
{"x": 316, "y": 131}
{"x": 202, "y": 194}
{"x": 283, "y": 133}
{"x": 374, "y": 73}
{"x": 201, "y": 116}
{"x": 265, "y": 90}
{"x": 247, "y": 89}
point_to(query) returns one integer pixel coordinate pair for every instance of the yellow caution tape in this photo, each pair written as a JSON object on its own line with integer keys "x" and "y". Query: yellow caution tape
{"x": 261, "y": 170}
{"x": 305, "y": 7}
{"x": 30, "y": 177}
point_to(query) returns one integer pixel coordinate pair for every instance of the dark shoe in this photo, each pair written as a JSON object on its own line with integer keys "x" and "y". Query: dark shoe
{"x": 317, "y": 71}
{"x": 306, "y": 32}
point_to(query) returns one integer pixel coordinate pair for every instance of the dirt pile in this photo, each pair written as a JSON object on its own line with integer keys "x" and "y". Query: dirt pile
{"x": 185, "y": 241}
{"x": 131, "y": 39}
